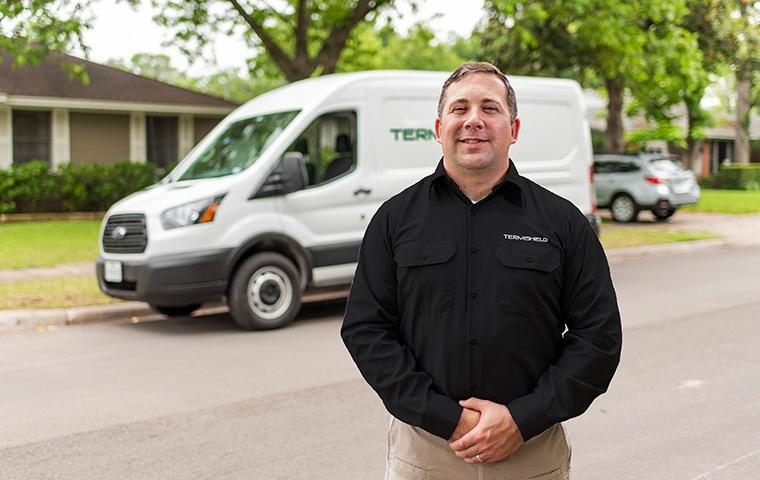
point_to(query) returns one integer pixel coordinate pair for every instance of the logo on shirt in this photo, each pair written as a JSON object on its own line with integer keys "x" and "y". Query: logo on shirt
{"x": 525, "y": 238}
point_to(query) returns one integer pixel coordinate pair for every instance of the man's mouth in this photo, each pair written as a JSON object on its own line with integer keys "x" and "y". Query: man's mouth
{"x": 472, "y": 141}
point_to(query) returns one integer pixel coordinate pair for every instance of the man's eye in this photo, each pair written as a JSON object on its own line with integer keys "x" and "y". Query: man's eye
{"x": 459, "y": 109}
{"x": 489, "y": 109}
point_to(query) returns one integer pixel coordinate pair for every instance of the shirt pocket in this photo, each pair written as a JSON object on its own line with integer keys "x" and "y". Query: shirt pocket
{"x": 425, "y": 274}
{"x": 528, "y": 277}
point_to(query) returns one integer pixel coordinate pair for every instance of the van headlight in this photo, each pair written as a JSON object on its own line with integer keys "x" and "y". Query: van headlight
{"x": 202, "y": 211}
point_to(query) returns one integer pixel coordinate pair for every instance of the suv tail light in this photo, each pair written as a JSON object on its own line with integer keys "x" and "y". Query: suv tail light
{"x": 655, "y": 180}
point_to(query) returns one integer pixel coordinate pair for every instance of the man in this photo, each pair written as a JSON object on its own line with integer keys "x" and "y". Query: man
{"x": 465, "y": 284}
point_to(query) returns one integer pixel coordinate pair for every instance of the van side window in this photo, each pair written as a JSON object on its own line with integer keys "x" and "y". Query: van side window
{"x": 328, "y": 146}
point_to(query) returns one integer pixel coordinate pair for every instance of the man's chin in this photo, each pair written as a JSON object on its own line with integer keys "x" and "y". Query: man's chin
{"x": 476, "y": 162}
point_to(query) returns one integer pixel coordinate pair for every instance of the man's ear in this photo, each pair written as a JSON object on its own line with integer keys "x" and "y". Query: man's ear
{"x": 438, "y": 130}
{"x": 515, "y": 130}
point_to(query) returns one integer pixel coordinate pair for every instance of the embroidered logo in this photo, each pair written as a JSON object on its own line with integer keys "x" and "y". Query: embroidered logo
{"x": 525, "y": 238}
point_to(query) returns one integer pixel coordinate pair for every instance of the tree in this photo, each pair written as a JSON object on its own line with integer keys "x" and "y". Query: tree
{"x": 31, "y": 29}
{"x": 743, "y": 31}
{"x": 228, "y": 84}
{"x": 153, "y": 65}
{"x": 302, "y": 37}
{"x": 620, "y": 45}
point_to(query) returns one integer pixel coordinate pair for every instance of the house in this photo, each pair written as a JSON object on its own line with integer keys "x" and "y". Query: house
{"x": 717, "y": 146}
{"x": 47, "y": 115}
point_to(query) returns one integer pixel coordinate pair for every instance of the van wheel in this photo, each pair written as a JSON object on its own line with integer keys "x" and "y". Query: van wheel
{"x": 624, "y": 209}
{"x": 265, "y": 292}
{"x": 176, "y": 310}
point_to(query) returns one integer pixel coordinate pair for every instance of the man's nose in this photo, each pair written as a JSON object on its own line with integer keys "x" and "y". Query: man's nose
{"x": 473, "y": 119}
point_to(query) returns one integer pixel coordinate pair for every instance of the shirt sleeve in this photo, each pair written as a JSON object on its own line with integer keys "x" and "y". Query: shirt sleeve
{"x": 591, "y": 345}
{"x": 370, "y": 332}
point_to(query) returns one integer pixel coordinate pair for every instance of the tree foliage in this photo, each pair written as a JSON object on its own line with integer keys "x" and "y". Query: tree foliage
{"x": 638, "y": 47}
{"x": 302, "y": 37}
{"x": 31, "y": 29}
{"x": 370, "y": 48}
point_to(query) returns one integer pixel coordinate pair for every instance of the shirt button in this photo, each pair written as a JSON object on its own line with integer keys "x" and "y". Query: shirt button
{"x": 529, "y": 259}
{"x": 474, "y": 341}
{"x": 474, "y": 250}
{"x": 473, "y": 295}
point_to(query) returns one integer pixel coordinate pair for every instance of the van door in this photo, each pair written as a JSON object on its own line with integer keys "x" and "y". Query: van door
{"x": 328, "y": 217}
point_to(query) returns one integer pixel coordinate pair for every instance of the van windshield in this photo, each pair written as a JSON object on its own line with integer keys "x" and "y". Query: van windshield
{"x": 239, "y": 146}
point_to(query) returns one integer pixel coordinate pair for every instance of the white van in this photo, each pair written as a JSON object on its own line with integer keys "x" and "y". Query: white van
{"x": 275, "y": 200}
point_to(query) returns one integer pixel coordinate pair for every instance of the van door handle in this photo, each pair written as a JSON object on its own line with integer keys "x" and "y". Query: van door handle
{"x": 362, "y": 191}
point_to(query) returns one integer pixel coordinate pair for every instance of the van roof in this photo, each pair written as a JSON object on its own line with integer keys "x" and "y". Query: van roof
{"x": 304, "y": 94}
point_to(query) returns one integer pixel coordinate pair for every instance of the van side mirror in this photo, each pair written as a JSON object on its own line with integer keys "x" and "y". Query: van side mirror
{"x": 288, "y": 176}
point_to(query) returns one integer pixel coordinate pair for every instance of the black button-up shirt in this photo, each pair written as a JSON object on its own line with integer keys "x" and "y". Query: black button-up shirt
{"x": 508, "y": 299}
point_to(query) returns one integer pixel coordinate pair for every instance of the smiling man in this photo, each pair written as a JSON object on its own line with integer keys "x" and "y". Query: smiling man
{"x": 482, "y": 310}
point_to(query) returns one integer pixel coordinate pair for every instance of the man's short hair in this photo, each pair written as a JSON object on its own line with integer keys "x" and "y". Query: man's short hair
{"x": 479, "y": 67}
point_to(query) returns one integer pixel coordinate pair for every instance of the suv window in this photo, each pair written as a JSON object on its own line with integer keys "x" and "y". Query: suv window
{"x": 601, "y": 167}
{"x": 625, "y": 167}
{"x": 328, "y": 146}
{"x": 664, "y": 165}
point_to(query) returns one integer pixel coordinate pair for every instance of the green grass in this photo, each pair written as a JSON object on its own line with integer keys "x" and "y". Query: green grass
{"x": 727, "y": 201}
{"x": 52, "y": 293}
{"x": 42, "y": 244}
{"x": 637, "y": 236}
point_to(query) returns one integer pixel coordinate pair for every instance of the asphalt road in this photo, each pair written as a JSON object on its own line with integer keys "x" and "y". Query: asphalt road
{"x": 197, "y": 398}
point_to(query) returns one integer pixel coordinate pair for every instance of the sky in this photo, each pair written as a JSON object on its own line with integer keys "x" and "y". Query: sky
{"x": 119, "y": 31}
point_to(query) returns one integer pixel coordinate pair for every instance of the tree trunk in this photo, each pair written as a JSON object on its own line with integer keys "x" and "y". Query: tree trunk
{"x": 613, "y": 136}
{"x": 693, "y": 153}
{"x": 743, "y": 104}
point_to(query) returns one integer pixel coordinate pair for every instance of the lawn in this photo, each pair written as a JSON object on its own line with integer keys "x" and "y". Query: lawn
{"x": 42, "y": 244}
{"x": 52, "y": 293}
{"x": 636, "y": 236}
{"x": 727, "y": 201}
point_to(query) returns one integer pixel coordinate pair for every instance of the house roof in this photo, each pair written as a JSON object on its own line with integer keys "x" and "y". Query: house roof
{"x": 48, "y": 79}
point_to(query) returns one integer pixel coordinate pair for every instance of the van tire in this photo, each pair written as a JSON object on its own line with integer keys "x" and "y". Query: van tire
{"x": 624, "y": 209}
{"x": 175, "y": 310}
{"x": 265, "y": 292}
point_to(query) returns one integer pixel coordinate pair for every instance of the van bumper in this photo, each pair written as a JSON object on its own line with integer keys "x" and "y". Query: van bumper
{"x": 595, "y": 221}
{"x": 170, "y": 280}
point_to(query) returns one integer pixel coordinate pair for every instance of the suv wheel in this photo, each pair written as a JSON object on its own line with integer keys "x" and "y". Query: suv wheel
{"x": 264, "y": 292}
{"x": 663, "y": 211}
{"x": 624, "y": 209}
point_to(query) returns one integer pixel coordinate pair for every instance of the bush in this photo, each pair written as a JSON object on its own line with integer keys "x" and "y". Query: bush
{"x": 32, "y": 187}
{"x": 735, "y": 177}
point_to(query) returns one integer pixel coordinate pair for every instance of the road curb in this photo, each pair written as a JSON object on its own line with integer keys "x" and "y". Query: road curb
{"x": 41, "y": 318}
{"x": 21, "y": 319}
{"x": 618, "y": 255}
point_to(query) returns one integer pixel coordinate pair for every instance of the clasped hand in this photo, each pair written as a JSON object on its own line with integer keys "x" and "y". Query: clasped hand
{"x": 485, "y": 429}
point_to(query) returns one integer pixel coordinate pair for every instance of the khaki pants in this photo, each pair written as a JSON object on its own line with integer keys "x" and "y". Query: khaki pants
{"x": 414, "y": 454}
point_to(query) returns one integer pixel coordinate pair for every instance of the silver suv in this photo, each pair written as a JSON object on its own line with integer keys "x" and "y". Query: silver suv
{"x": 627, "y": 184}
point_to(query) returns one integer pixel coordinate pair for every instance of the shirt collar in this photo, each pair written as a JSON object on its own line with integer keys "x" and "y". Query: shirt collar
{"x": 513, "y": 179}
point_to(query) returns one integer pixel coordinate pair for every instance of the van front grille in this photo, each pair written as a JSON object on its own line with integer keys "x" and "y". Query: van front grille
{"x": 125, "y": 234}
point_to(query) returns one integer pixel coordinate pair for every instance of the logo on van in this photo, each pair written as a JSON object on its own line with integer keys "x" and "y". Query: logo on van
{"x": 525, "y": 238}
{"x": 412, "y": 134}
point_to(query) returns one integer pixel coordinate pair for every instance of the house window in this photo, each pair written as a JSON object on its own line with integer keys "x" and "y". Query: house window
{"x": 161, "y": 140}
{"x": 31, "y": 136}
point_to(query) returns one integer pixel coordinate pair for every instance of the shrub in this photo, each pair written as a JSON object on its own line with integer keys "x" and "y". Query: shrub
{"x": 735, "y": 177}
{"x": 33, "y": 187}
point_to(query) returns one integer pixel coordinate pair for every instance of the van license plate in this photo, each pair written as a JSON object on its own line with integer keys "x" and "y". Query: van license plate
{"x": 112, "y": 272}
